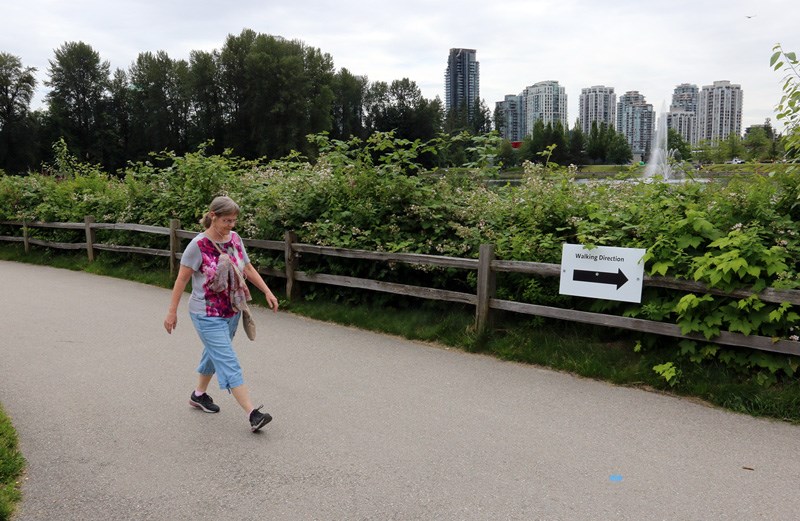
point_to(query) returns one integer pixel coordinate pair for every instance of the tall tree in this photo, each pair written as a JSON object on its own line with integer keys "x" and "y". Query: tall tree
{"x": 597, "y": 145}
{"x": 577, "y": 145}
{"x": 118, "y": 121}
{"x": 318, "y": 73}
{"x": 17, "y": 86}
{"x": 235, "y": 85}
{"x": 506, "y": 156}
{"x": 207, "y": 111}
{"x": 704, "y": 152}
{"x": 558, "y": 138}
{"x": 757, "y": 144}
{"x": 159, "y": 104}
{"x": 594, "y": 146}
{"x": 80, "y": 82}
{"x": 277, "y": 107}
{"x": 275, "y": 92}
{"x": 376, "y": 105}
{"x": 500, "y": 121}
{"x": 430, "y": 117}
{"x": 676, "y": 142}
{"x": 457, "y": 120}
{"x": 536, "y": 144}
{"x": 732, "y": 147}
{"x": 618, "y": 151}
{"x": 480, "y": 120}
{"x": 475, "y": 119}
{"x": 401, "y": 107}
{"x": 349, "y": 93}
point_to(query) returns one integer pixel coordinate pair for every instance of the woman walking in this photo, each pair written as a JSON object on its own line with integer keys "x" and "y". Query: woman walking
{"x": 210, "y": 262}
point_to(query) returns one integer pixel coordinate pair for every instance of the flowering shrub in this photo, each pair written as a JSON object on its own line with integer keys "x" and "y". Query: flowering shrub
{"x": 373, "y": 196}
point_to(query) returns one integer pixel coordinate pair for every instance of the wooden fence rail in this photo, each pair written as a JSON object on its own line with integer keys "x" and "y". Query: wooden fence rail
{"x": 486, "y": 267}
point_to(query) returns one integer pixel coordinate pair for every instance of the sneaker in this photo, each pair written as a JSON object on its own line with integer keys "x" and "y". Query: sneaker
{"x": 204, "y": 403}
{"x": 258, "y": 419}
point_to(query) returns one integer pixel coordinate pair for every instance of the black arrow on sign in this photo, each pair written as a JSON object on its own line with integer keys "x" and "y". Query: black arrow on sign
{"x": 600, "y": 277}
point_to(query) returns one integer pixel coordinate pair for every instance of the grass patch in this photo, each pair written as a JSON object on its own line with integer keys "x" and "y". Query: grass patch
{"x": 603, "y": 169}
{"x": 427, "y": 322}
{"x": 11, "y": 466}
{"x": 138, "y": 268}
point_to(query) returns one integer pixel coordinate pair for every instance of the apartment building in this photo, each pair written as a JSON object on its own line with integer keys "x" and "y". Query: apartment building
{"x": 719, "y": 111}
{"x": 546, "y": 101}
{"x": 684, "y": 123}
{"x": 462, "y": 80}
{"x": 682, "y": 115}
{"x": 636, "y": 120}
{"x": 510, "y": 117}
{"x": 597, "y": 104}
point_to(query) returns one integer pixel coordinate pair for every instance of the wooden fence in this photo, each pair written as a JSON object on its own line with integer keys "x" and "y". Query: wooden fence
{"x": 486, "y": 266}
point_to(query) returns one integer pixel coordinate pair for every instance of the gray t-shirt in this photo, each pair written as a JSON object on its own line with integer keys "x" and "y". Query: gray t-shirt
{"x": 202, "y": 256}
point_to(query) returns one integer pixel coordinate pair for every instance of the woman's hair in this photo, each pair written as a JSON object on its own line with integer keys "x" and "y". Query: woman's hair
{"x": 222, "y": 205}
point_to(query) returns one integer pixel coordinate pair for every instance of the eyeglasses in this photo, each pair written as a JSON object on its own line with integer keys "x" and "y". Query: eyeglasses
{"x": 228, "y": 220}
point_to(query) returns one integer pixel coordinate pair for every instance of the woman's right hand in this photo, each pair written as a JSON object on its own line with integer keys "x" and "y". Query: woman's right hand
{"x": 184, "y": 275}
{"x": 171, "y": 322}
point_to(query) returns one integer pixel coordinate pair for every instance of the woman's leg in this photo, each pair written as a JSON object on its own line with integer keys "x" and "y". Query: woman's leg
{"x": 202, "y": 381}
{"x": 217, "y": 334}
{"x": 242, "y": 396}
{"x": 218, "y": 356}
{"x": 257, "y": 418}
{"x": 240, "y": 392}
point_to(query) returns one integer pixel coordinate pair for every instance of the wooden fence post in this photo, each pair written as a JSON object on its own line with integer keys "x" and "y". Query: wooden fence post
{"x": 25, "y": 237}
{"x": 90, "y": 236}
{"x": 486, "y": 288}
{"x": 292, "y": 262}
{"x": 174, "y": 244}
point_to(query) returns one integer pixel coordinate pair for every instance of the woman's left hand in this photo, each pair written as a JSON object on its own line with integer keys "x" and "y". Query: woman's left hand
{"x": 251, "y": 274}
{"x": 272, "y": 302}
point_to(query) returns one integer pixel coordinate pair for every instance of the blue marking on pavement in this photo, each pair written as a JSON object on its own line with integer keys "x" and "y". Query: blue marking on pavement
{"x": 615, "y": 478}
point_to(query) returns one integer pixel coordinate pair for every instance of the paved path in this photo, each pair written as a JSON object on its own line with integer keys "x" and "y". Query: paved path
{"x": 367, "y": 427}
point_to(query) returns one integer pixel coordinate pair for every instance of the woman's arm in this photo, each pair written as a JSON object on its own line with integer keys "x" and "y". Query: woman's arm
{"x": 251, "y": 274}
{"x": 184, "y": 275}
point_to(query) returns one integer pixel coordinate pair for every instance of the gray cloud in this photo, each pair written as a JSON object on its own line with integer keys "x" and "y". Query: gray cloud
{"x": 643, "y": 45}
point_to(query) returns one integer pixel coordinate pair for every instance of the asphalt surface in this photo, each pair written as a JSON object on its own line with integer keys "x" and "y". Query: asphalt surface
{"x": 367, "y": 427}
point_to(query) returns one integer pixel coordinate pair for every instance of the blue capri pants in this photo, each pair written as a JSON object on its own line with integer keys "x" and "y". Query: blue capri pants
{"x": 218, "y": 357}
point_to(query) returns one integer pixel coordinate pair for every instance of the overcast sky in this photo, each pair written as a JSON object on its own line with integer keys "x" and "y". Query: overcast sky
{"x": 644, "y": 45}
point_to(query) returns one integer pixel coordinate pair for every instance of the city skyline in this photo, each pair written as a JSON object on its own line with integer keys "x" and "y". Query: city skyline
{"x": 707, "y": 114}
{"x": 632, "y": 46}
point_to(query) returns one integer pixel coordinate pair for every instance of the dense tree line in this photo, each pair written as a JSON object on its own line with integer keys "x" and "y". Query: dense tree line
{"x": 554, "y": 143}
{"x": 17, "y": 124}
{"x": 604, "y": 145}
{"x": 259, "y": 95}
{"x": 760, "y": 144}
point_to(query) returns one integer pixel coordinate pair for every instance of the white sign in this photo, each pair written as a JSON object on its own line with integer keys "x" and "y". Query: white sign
{"x": 603, "y": 272}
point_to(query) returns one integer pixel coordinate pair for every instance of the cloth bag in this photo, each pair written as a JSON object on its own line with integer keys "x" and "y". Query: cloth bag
{"x": 248, "y": 324}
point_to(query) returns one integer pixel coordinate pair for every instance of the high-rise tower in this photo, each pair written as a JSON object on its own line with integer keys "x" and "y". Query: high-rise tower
{"x": 546, "y": 101}
{"x": 636, "y": 120}
{"x": 682, "y": 116}
{"x": 597, "y": 104}
{"x": 719, "y": 111}
{"x": 510, "y": 117}
{"x": 462, "y": 81}
{"x": 684, "y": 98}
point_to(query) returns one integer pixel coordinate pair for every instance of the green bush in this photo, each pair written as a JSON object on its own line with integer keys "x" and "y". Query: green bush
{"x": 738, "y": 233}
